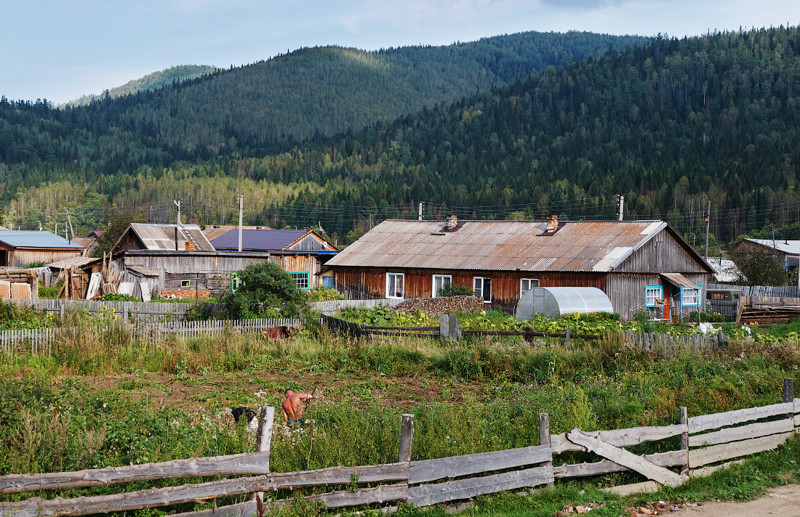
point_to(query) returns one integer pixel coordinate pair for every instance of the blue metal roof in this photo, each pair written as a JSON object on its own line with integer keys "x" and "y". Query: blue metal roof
{"x": 258, "y": 240}
{"x": 34, "y": 239}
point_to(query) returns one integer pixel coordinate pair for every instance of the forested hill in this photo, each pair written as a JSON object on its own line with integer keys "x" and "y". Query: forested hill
{"x": 175, "y": 74}
{"x": 265, "y": 107}
{"x": 670, "y": 125}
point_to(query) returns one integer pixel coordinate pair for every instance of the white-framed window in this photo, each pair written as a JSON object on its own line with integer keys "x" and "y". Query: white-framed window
{"x": 395, "y": 285}
{"x": 653, "y": 293}
{"x": 440, "y": 281}
{"x": 301, "y": 278}
{"x": 526, "y": 284}
{"x": 483, "y": 288}
{"x": 690, "y": 297}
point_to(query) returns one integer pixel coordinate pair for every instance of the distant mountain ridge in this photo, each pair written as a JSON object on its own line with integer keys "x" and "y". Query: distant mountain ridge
{"x": 149, "y": 82}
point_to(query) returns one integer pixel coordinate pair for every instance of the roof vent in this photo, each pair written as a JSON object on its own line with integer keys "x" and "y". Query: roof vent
{"x": 452, "y": 225}
{"x": 452, "y": 221}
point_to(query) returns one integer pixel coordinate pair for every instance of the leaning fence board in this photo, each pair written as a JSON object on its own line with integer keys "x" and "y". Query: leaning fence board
{"x": 245, "y": 509}
{"x": 715, "y": 453}
{"x": 457, "y": 466}
{"x": 662, "y": 459}
{"x": 185, "y": 493}
{"x": 428, "y": 494}
{"x": 702, "y": 423}
{"x": 747, "y": 432}
{"x": 625, "y": 458}
{"x": 247, "y": 463}
{"x": 619, "y": 437}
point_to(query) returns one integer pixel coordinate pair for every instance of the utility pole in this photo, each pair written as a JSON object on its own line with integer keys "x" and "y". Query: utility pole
{"x": 69, "y": 220}
{"x": 708, "y": 223}
{"x": 178, "y": 204}
{"x": 420, "y": 210}
{"x": 621, "y": 207}
{"x": 241, "y": 204}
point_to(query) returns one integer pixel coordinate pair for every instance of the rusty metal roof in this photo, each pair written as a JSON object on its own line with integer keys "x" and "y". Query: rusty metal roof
{"x": 162, "y": 236}
{"x": 498, "y": 245}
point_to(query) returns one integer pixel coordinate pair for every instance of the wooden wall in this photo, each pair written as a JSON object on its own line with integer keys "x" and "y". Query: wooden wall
{"x": 23, "y": 257}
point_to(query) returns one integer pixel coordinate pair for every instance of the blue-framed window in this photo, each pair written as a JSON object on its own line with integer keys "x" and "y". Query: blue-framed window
{"x": 690, "y": 297}
{"x": 653, "y": 293}
{"x": 328, "y": 282}
{"x": 301, "y": 278}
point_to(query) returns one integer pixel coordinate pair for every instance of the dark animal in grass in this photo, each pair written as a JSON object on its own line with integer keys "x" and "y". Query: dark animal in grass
{"x": 243, "y": 412}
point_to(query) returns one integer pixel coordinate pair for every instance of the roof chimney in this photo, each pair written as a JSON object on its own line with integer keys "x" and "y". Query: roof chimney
{"x": 189, "y": 245}
{"x": 552, "y": 224}
{"x": 452, "y": 221}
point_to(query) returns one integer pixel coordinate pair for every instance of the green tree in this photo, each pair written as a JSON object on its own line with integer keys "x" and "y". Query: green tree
{"x": 759, "y": 265}
{"x": 266, "y": 290}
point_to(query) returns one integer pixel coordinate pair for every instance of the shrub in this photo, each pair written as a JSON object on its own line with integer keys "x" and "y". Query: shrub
{"x": 266, "y": 291}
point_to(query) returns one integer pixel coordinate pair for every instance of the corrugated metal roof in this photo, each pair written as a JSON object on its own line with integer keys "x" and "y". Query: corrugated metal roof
{"x": 72, "y": 262}
{"x": 260, "y": 240}
{"x": 784, "y": 246}
{"x": 498, "y": 245}
{"x": 162, "y": 236}
{"x": 679, "y": 280}
{"x": 34, "y": 239}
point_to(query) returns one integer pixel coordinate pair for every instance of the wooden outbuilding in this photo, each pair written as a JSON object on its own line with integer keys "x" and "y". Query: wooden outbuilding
{"x": 638, "y": 264}
{"x": 21, "y": 248}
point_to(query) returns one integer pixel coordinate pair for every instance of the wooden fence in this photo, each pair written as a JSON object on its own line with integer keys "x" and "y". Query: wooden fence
{"x": 146, "y": 310}
{"x": 706, "y": 443}
{"x": 40, "y": 341}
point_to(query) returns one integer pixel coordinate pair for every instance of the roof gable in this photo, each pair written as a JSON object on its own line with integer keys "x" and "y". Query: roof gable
{"x": 269, "y": 240}
{"x": 167, "y": 237}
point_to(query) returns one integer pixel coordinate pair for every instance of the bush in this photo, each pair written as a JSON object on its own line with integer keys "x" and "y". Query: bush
{"x": 266, "y": 291}
{"x": 325, "y": 295}
{"x": 114, "y": 297}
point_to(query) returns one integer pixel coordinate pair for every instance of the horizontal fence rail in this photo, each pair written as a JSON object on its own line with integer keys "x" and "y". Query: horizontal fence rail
{"x": 704, "y": 440}
{"x": 135, "y": 309}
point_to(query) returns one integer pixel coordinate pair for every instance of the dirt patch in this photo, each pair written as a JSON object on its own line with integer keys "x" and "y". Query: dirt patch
{"x": 783, "y": 500}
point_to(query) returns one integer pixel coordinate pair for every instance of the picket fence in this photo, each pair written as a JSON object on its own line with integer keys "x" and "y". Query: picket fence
{"x": 695, "y": 446}
{"x": 40, "y": 341}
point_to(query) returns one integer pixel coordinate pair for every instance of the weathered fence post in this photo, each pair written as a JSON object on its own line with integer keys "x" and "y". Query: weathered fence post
{"x": 566, "y": 341}
{"x": 266, "y": 417}
{"x": 444, "y": 326}
{"x": 684, "y": 420}
{"x": 455, "y": 330}
{"x": 788, "y": 393}
{"x": 406, "y": 438}
{"x": 544, "y": 436}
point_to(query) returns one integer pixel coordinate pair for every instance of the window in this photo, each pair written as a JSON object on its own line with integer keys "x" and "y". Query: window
{"x": 328, "y": 282}
{"x": 526, "y": 284}
{"x": 690, "y": 297}
{"x": 652, "y": 294}
{"x": 440, "y": 281}
{"x": 301, "y": 278}
{"x": 235, "y": 282}
{"x": 186, "y": 284}
{"x": 395, "y": 285}
{"x": 482, "y": 288}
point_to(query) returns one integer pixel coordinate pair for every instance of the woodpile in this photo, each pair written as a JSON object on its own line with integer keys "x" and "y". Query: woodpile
{"x": 442, "y": 305}
{"x": 767, "y": 309}
{"x": 19, "y": 283}
{"x": 80, "y": 284}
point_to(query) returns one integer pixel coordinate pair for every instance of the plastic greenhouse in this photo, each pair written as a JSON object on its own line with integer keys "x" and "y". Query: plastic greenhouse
{"x": 554, "y": 302}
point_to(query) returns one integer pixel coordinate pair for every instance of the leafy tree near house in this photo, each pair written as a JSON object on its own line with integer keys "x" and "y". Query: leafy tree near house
{"x": 265, "y": 291}
{"x": 759, "y": 265}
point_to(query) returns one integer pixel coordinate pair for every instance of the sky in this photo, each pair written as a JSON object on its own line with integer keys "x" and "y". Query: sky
{"x": 60, "y": 50}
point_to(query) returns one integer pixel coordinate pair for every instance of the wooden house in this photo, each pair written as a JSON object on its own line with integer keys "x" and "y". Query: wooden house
{"x": 301, "y": 253}
{"x": 20, "y": 248}
{"x": 638, "y": 264}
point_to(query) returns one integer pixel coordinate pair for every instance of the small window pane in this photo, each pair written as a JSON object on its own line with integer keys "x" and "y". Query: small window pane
{"x": 301, "y": 278}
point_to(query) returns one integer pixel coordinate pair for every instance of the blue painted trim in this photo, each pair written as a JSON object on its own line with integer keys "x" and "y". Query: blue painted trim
{"x": 660, "y": 290}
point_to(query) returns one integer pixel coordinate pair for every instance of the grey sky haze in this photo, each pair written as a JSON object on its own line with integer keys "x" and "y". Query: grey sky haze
{"x": 59, "y": 50}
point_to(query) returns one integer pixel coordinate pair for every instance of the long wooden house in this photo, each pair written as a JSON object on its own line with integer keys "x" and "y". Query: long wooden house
{"x": 638, "y": 264}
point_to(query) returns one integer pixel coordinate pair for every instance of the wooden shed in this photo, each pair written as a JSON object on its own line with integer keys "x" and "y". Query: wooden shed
{"x": 20, "y": 248}
{"x": 638, "y": 264}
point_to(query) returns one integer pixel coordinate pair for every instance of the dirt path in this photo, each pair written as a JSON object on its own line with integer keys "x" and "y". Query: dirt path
{"x": 783, "y": 500}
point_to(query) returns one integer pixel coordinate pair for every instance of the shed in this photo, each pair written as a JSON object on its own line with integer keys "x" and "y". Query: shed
{"x": 20, "y": 248}
{"x": 555, "y": 302}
